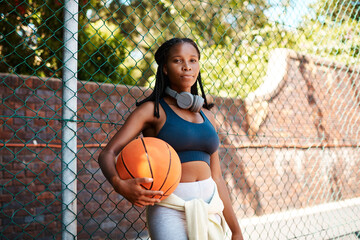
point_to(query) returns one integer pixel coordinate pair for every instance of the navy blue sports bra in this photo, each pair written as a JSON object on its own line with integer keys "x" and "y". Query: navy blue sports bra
{"x": 192, "y": 141}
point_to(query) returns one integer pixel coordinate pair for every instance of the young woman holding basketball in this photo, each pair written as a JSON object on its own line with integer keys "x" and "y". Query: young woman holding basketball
{"x": 175, "y": 113}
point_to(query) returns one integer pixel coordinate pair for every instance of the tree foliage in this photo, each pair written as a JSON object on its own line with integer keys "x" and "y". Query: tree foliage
{"x": 32, "y": 41}
{"x": 118, "y": 38}
{"x": 31, "y": 37}
{"x": 332, "y": 31}
{"x": 338, "y": 11}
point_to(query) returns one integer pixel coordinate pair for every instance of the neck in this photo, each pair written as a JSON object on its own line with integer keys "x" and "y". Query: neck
{"x": 170, "y": 100}
{"x": 180, "y": 90}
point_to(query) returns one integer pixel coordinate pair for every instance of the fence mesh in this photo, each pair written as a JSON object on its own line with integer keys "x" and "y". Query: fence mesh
{"x": 284, "y": 77}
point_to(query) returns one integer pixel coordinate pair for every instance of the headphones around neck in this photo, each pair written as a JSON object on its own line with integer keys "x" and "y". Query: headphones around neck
{"x": 186, "y": 100}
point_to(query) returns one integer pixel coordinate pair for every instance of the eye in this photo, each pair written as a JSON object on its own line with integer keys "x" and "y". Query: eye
{"x": 193, "y": 60}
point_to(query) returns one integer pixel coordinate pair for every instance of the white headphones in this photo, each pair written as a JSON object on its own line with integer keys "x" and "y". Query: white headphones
{"x": 186, "y": 100}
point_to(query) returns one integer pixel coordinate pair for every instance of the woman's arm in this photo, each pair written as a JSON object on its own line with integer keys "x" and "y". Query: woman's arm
{"x": 140, "y": 119}
{"x": 216, "y": 174}
{"x": 228, "y": 212}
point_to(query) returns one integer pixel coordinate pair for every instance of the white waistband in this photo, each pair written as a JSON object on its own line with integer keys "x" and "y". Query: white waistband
{"x": 203, "y": 189}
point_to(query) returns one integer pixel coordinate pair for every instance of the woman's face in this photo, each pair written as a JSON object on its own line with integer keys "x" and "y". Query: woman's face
{"x": 182, "y": 67}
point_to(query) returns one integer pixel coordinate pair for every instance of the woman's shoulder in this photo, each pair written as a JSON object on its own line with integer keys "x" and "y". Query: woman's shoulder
{"x": 147, "y": 105}
{"x": 207, "y": 112}
{"x": 146, "y": 113}
{"x": 150, "y": 104}
{"x": 147, "y": 110}
{"x": 210, "y": 115}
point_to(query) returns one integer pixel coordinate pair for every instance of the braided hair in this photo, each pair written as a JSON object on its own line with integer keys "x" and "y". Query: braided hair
{"x": 162, "y": 80}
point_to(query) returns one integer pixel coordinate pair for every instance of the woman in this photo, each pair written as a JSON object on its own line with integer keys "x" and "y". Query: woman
{"x": 189, "y": 128}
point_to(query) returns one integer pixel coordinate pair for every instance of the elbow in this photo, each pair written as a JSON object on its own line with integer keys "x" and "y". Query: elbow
{"x": 102, "y": 158}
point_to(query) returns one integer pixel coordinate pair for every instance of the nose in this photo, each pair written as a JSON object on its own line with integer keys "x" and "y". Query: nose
{"x": 186, "y": 67}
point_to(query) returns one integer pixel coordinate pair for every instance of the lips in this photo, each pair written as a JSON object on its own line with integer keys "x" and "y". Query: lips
{"x": 187, "y": 76}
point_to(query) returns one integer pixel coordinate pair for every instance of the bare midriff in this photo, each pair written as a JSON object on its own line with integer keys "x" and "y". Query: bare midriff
{"x": 194, "y": 171}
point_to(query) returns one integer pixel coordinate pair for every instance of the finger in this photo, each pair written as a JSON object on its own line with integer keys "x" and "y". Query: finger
{"x": 151, "y": 200}
{"x": 145, "y": 202}
{"x": 143, "y": 180}
{"x": 153, "y": 193}
{"x": 148, "y": 200}
{"x": 138, "y": 205}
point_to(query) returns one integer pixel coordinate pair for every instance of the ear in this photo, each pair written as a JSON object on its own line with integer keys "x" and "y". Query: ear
{"x": 165, "y": 69}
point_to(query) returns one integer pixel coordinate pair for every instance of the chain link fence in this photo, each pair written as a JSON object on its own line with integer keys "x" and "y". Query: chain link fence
{"x": 284, "y": 77}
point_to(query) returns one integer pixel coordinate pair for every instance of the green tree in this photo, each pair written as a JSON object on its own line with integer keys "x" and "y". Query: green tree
{"x": 102, "y": 53}
{"x": 332, "y": 32}
{"x": 219, "y": 27}
{"x": 338, "y": 11}
{"x": 117, "y": 39}
{"x": 236, "y": 70}
{"x": 30, "y": 37}
{"x": 144, "y": 24}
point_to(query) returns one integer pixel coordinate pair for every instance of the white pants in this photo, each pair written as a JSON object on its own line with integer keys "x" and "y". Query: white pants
{"x": 164, "y": 223}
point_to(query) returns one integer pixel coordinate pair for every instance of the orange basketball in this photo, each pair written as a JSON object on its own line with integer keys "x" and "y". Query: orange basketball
{"x": 150, "y": 157}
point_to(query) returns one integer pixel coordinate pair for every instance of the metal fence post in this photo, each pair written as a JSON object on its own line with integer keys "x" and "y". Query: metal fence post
{"x": 69, "y": 114}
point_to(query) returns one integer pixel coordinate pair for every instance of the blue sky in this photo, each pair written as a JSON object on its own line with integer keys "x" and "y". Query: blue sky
{"x": 291, "y": 16}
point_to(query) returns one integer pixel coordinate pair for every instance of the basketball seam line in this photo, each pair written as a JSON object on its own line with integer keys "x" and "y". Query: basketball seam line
{"x": 172, "y": 186}
{"x": 122, "y": 159}
{"x": 167, "y": 174}
{"x": 149, "y": 163}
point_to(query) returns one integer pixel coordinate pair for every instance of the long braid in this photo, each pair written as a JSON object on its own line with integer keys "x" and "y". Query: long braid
{"x": 207, "y": 105}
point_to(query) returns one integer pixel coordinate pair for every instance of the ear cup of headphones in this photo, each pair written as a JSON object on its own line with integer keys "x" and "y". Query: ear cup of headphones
{"x": 185, "y": 100}
{"x": 197, "y": 104}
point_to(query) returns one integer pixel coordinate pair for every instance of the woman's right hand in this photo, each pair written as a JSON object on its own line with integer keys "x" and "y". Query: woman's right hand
{"x": 132, "y": 190}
